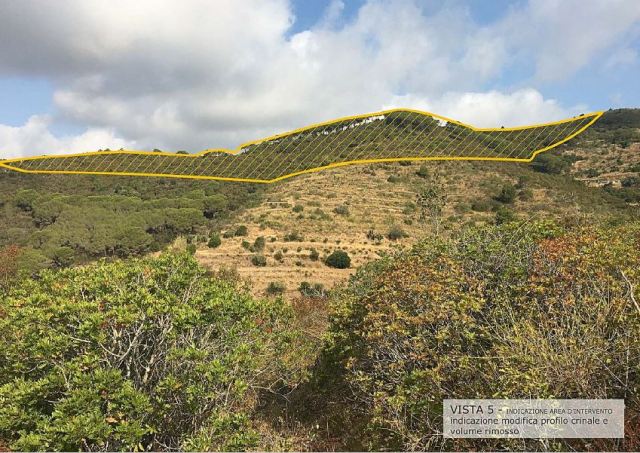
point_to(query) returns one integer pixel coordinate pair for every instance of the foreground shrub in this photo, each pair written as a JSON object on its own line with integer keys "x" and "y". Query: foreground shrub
{"x": 140, "y": 355}
{"x": 516, "y": 311}
{"x": 339, "y": 259}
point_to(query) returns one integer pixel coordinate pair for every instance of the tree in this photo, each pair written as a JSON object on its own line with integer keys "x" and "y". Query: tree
{"x": 214, "y": 205}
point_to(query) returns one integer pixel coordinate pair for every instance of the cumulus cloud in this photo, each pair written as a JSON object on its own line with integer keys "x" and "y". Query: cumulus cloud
{"x": 493, "y": 108}
{"x": 35, "y": 138}
{"x": 191, "y": 75}
{"x": 561, "y": 37}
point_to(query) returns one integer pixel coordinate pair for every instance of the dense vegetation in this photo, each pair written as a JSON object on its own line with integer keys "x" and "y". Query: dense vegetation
{"x": 155, "y": 353}
{"x": 149, "y": 354}
{"x": 517, "y": 311}
{"x": 56, "y": 221}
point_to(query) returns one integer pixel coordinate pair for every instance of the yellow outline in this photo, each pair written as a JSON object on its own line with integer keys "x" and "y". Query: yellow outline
{"x": 595, "y": 116}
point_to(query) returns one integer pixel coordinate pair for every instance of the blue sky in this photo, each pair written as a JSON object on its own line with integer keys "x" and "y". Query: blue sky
{"x": 79, "y": 76}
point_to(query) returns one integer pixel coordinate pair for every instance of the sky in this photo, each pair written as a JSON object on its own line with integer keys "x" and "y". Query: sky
{"x": 83, "y": 75}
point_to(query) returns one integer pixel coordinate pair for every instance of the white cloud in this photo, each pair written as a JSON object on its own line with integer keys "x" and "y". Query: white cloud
{"x": 561, "y": 37}
{"x": 34, "y": 138}
{"x": 191, "y": 74}
{"x": 493, "y": 108}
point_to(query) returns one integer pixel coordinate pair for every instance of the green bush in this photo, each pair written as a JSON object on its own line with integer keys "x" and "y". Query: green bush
{"x": 214, "y": 241}
{"x": 504, "y": 215}
{"x": 339, "y": 259}
{"x": 507, "y": 194}
{"x": 241, "y": 231}
{"x": 396, "y": 232}
{"x": 423, "y": 171}
{"x": 276, "y": 288}
{"x": 146, "y": 354}
{"x": 191, "y": 249}
{"x": 259, "y": 243}
{"x": 298, "y": 208}
{"x": 487, "y": 315}
{"x": 259, "y": 260}
{"x": 549, "y": 163}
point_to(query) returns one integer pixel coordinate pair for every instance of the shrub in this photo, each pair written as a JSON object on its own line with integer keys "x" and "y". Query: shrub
{"x": 341, "y": 210}
{"x": 549, "y": 163}
{"x": 259, "y": 260}
{"x": 507, "y": 194}
{"x": 314, "y": 255}
{"x": 312, "y": 290}
{"x": 245, "y": 244}
{"x": 487, "y": 315}
{"x": 144, "y": 354}
{"x": 373, "y": 236}
{"x": 191, "y": 249}
{"x": 259, "y": 243}
{"x": 339, "y": 259}
{"x": 423, "y": 171}
{"x": 504, "y": 215}
{"x": 214, "y": 241}
{"x": 481, "y": 205}
{"x": 298, "y": 208}
{"x": 278, "y": 256}
{"x": 293, "y": 236}
{"x": 63, "y": 256}
{"x": 276, "y": 288}
{"x": 241, "y": 231}
{"x": 396, "y": 232}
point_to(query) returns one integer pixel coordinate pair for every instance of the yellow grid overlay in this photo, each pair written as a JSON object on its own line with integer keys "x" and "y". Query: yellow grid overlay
{"x": 386, "y": 136}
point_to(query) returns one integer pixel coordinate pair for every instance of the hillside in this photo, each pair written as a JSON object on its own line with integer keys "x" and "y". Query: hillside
{"x": 365, "y": 210}
{"x": 354, "y": 209}
{"x": 391, "y": 135}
